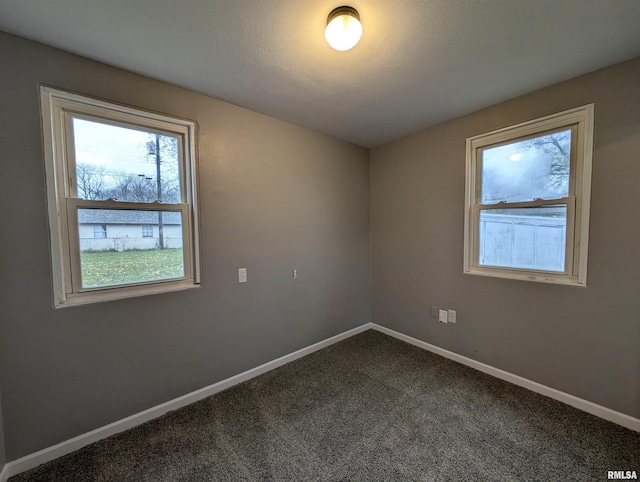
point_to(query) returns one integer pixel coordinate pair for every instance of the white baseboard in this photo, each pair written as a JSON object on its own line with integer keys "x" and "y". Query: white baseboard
{"x": 45, "y": 455}
{"x": 579, "y": 403}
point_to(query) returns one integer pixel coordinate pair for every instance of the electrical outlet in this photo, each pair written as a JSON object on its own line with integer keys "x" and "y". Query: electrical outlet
{"x": 242, "y": 275}
{"x": 294, "y": 273}
{"x": 451, "y": 316}
{"x": 434, "y": 312}
{"x": 443, "y": 315}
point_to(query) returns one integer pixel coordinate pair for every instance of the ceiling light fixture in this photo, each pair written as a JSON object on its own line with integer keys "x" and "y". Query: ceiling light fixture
{"x": 344, "y": 29}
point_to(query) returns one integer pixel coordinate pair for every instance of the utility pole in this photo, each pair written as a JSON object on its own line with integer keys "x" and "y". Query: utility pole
{"x": 159, "y": 185}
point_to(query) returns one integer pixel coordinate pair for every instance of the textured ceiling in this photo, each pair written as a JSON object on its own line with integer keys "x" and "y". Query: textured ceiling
{"x": 419, "y": 63}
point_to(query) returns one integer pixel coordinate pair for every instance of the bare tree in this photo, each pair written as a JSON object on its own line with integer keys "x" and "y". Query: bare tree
{"x": 141, "y": 188}
{"x": 90, "y": 180}
{"x": 558, "y": 146}
{"x": 131, "y": 188}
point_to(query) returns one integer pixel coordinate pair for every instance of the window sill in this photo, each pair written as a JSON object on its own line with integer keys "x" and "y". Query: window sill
{"x": 111, "y": 294}
{"x": 552, "y": 278}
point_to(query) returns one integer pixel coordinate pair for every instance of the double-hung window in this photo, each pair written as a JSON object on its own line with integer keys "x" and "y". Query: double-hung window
{"x": 110, "y": 170}
{"x": 527, "y": 199}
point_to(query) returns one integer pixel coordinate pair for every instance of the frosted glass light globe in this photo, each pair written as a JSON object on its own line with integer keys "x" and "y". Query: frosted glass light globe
{"x": 344, "y": 29}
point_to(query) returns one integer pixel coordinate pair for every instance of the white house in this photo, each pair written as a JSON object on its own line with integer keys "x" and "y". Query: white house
{"x": 123, "y": 230}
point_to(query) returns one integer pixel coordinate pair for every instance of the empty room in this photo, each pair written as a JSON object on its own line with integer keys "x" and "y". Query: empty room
{"x": 269, "y": 240}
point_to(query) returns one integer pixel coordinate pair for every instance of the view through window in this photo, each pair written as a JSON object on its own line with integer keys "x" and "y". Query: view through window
{"x": 531, "y": 170}
{"x": 127, "y": 165}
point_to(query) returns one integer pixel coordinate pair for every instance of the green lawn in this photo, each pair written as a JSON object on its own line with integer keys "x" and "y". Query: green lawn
{"x": 108, "y": 268}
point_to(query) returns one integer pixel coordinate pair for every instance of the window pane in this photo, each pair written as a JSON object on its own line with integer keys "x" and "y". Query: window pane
{"x": 525, "y": 170}
{"x": 125, "y": 163}
{"x": 125, "y": 254}
{"x": 528, "y": 238}
{"x": 100, "y": 231}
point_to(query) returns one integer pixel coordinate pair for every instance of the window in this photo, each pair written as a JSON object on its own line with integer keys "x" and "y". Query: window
{"x": 99, "y": 231}
{"x": 527, "y": 199}
{"x": 110, "y": 170}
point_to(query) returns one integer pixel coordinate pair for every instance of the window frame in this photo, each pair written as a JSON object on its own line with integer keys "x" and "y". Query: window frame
{"x": 58, "y": 108}
{"x": 581, "y": 122}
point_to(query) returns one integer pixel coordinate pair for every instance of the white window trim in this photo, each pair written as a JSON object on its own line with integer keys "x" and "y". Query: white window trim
{"x": 577, "y": 225}
{"x": 54, "y": 104}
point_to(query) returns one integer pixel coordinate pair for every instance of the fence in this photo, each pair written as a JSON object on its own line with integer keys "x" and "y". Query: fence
{"x": 517, "y": 241}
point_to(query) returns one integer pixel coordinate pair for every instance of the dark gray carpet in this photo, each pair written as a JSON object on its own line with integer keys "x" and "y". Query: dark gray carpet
{"x": 369, "y": 408}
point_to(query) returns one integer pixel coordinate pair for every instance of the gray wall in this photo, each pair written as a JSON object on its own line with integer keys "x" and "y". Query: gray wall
{"x": 272, "y": 196}
{"x": 3, "y": 456}
{"x": 584, "y": 341}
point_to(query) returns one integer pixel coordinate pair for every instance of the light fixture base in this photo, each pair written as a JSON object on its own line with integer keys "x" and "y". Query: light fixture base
{"x": 343, "y": 10}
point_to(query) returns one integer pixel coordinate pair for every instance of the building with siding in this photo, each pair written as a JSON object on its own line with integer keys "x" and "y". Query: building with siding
{"x": 124, "y": 230}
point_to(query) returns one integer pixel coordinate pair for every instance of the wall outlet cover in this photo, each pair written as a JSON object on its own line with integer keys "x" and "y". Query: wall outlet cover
{"x": 443, "y": 316}
{"x": 451, "y": 316}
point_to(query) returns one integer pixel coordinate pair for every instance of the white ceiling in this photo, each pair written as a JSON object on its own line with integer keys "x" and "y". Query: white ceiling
{"x": 419, "y": 63}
